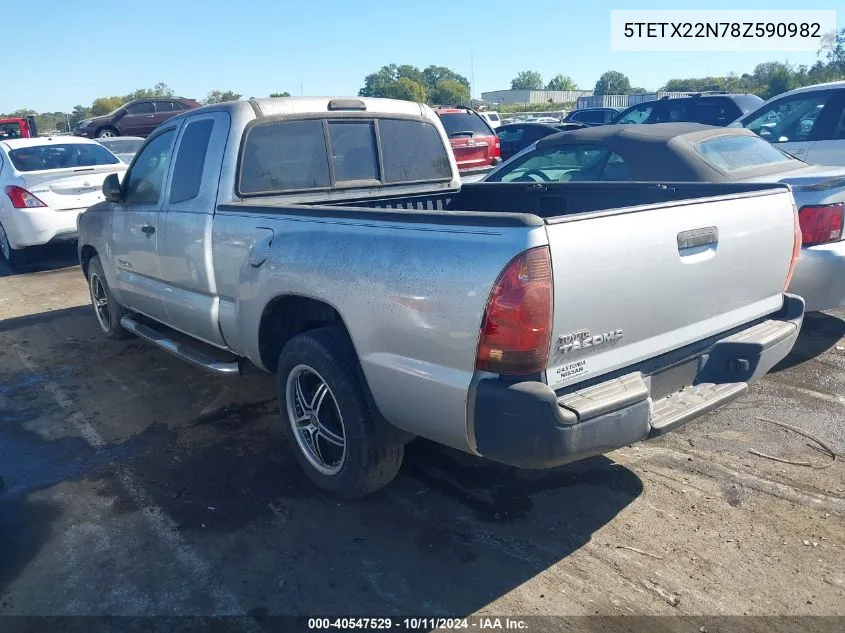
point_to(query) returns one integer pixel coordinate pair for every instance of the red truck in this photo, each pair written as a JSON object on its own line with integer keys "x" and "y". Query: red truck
{"x": 18, "y": 127}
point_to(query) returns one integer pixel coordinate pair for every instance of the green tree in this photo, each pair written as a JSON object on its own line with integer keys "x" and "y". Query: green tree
{"x": 104, "y": 105}
{"x": 434, "y": 74}
{"x": 527, "y": 80}
{"x": 407, "y": 89}
{"x": 221, "y": 96}
{"x": 450, "y": 92}
{"x": 561, "y": 82}
{"x": 378, "y": 84}
{"x": 161, "y": 89}
{"x": 79, "y": 113}
{"x": 279, "y": 94}
{"x": 613, "y": 83}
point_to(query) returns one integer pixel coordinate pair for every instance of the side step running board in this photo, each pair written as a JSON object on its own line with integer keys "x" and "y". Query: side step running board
{"x": 186, "y": 353}
{"x": 674, "y": 410}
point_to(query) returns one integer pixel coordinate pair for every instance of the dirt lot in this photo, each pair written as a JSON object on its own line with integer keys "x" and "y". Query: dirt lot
{"x": 134, "y": 484}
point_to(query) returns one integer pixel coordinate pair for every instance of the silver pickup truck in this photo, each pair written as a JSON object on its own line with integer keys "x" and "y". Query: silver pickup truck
{"x": 330, "y": 241}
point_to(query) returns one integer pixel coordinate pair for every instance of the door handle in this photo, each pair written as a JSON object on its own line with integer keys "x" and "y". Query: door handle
{"x": 149, "y": 229}
{"x": 150, "y": 116}
{"x": 698, "y": 237}
{"x": 797, "y": 152}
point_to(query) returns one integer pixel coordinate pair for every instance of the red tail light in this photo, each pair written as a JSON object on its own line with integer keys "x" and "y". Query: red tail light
{"x": 821, "y": 224}
{"x": 796, "y": 247}
{"x": 518, "y": 319}
{"x": 22, "y": 199}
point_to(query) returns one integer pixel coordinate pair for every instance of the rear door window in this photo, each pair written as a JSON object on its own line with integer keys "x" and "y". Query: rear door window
{"x": 145, "y": 107}
{"x": 164, "y": 106}
{"x": 283, "y": 156}
{"x": 190, "y": 161}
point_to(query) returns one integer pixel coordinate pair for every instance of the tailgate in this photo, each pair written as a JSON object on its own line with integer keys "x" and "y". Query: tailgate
{"x": 470, "y": 153}
{"x": 634, "y": 284}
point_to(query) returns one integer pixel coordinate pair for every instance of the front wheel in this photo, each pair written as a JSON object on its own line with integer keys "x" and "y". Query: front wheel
{"x": 107, "y": 132}
{"x": 322, "y": 404}
{"x": 106, "y": 309}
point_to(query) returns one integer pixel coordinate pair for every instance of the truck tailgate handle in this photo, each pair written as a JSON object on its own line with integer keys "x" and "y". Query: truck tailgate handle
{"x": 260, "y": 249}
{"x": 697, "y": 238}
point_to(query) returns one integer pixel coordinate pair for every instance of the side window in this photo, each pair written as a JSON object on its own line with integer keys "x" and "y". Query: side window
{"x": 353, "y": 151}
{"x": 284, "y": 155}
{"x": 146, "y": 178}
{"x": 615, "y": 169}
{"x": 608, "y": 115}
{"x": 790, "y": 118}
{"x": 556, "y": 164}
{"x": 511, "y": 135}
{"x": 839, "y": 129}
{"x": 163, "y": 106}
{"x": 412, "y": 151}
{"x": 190, "y": 160}
{"x": 638, "y": 114}
{"x": 178, "y": 107}
{"x": 145, "y": 107}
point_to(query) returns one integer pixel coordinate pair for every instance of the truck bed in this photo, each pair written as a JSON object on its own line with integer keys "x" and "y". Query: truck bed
{"x": 549, "y": 201}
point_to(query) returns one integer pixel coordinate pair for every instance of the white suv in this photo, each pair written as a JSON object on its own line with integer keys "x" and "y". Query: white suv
{"x": 492, "y": 119}
{"x": 808, "y": 122}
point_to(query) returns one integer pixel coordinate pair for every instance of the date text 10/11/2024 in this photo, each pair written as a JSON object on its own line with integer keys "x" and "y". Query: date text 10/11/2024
{"x": 411, "y": 624}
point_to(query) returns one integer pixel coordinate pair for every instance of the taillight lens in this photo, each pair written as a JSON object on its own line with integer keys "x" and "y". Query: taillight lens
{"x": 22, "y": 199}
{"x": 821, "y": 224}
{"x": 796, "y": 247}
{"x": 518, "y": 319}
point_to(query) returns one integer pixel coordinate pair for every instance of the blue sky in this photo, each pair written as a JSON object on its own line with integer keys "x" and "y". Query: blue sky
{"x": 327, "y": 47}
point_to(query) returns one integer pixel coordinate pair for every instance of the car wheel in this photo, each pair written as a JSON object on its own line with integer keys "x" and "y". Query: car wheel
{"x": 10, "y": 255}
{"x": 107, "y": 132}
{"x": 107, "y": 311}
{"x": 335, "y": 438}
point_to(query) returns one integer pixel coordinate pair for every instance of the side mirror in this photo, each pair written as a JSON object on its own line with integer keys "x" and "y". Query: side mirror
{"x": 112, "y": 189}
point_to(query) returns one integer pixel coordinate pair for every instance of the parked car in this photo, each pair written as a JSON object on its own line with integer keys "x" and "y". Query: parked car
{"x": 592, "y": 116}
{"x": 515, "y": 137}
{"x": 689, "y": 152}
{"x": 124, "y": 147}
{"x": 18, "y": 127}
{"x": 46, "y": 183}
{"x": 809, "y": 123}
{"x": 711, "y": 109}
{"x": 136, "y": 118}
{"x": 474, "y": 143}
{"x": 330, "y": 241}
{"x": 492, "y": 118}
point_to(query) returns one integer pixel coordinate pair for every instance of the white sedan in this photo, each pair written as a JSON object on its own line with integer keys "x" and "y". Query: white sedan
{"x": 45, "y": 183}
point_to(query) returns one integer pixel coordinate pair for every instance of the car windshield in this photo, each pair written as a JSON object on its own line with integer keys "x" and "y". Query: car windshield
{"x": 464, "y": 124}
{"x": 122, "y": 145}
{"x": 61, "y": 156}
{"x": 735, "y": 153}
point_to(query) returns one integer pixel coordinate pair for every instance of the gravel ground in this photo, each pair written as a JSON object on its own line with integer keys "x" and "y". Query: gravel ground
{"x": 133, "y": 484}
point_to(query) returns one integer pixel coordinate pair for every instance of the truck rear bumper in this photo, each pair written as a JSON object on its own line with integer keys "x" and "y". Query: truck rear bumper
{"x": 528, "y": 425}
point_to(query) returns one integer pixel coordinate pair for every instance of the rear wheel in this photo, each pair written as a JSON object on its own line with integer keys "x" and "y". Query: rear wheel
{"x": 10, "y": 255}
{"x": 107, "y": 132}
{"x": 106, "y": 309}
{"x": 335, "y": 438}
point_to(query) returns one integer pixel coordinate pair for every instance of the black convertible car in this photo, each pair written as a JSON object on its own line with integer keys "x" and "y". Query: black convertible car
{"x": 664, "y": 152}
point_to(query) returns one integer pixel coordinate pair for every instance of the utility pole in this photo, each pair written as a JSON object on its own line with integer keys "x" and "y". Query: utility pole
{"x": 471, "y": 75}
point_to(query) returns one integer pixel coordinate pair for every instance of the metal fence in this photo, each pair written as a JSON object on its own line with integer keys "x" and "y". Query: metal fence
{"x": 624, "y": 101}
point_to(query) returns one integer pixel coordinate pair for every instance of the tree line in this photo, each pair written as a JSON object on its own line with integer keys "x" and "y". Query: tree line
{"x": 59, "y": 121}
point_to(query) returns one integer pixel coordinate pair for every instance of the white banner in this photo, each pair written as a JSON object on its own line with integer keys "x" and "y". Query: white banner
{"x": 719, "y": 30}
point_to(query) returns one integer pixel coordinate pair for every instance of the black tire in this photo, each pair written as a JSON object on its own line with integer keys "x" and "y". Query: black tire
{"x": 98, "y": 288}
{"x": 369, "y": 462}
{"x": 12, "y": 256}
{"x": 107, "y": 131}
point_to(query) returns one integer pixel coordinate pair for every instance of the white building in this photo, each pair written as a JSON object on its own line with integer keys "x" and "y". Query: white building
{"x": 524, "y": 97}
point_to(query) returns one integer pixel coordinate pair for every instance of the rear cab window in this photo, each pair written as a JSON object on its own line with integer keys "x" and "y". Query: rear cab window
{"x": 280, "y": 156}
{"x": 734, "y": 153}
{"x": 10, "y": 130}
